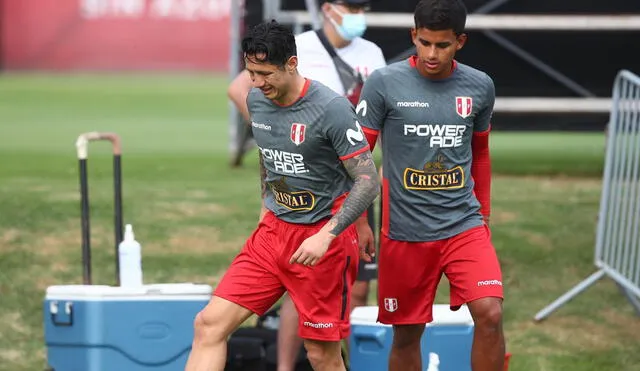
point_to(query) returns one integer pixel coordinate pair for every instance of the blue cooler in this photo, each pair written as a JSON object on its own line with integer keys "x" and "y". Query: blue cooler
{"x": 111, "y": 328}
{"x": 446, "y": 343}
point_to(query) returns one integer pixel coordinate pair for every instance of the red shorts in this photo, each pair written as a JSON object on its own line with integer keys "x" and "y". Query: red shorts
{"x": 261, "y": 273}
{"x": 409, "y": 273}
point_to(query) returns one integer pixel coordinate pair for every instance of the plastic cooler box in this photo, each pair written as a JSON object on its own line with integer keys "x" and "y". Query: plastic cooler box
{"x": 448, "y": 339}
{"x": 110, "y": 328}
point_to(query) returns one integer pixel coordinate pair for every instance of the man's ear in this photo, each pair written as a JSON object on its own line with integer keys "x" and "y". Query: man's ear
{"x": 292, "y": 64}
{"x": 462, "y": 39}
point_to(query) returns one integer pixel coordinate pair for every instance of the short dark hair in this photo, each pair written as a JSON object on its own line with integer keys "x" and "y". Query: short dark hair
{"x": 272, "y": 39}
{"x": 438, "y": 15}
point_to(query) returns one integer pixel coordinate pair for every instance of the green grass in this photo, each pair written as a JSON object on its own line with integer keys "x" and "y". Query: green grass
{"x": 557, "y": 153}
{"x": 192, "y": 212}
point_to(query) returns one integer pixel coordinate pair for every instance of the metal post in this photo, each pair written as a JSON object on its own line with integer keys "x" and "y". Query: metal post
{"x": 118, "y": 224}
{"x": 616, "y": 249}
{"x": 577, "y": 289}
{"x": 235, "y": 22}
{"x": 539, "y": 64}
{"x": 82, "y": 151}
{"x": 84, "y": 222}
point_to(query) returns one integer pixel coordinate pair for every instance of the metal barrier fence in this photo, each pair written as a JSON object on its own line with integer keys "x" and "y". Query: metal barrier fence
{"x": 617, "y": 248}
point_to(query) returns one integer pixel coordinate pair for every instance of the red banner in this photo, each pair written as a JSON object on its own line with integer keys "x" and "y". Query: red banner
{"x": 115, "y": 34}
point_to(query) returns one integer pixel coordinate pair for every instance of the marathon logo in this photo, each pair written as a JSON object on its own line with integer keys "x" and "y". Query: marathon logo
{"x": 414, "y": 104}
{"x": 261, "y": 126}
{"x": 490, "y": 283}
{"x": 423, "y": 180}
{"x": 318, "y": 325}
{"x": 296, "y": 201}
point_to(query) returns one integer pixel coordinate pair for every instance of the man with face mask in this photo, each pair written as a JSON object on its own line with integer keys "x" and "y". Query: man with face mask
{"x": 344, "y": 23}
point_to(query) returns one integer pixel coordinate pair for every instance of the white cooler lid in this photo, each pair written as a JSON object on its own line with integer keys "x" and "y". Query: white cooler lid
{"x": 442, "y": 316}
{"x": 162, "y": 291}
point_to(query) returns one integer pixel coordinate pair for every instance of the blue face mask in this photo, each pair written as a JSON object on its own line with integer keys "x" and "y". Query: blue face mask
{"x": 353, "y": 25}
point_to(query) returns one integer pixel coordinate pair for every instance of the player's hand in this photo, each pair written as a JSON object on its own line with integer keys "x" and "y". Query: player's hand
{"x": 312, "y": 249}
{"x": 365, "y": 239}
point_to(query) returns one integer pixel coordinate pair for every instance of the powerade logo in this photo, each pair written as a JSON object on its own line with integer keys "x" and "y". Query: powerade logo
{"x": 439, "y": 136}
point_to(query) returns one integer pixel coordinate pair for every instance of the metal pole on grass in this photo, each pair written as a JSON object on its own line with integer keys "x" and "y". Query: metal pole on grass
{"x": 82, "y": 150}
{"x": 235, "y": 121}
{"x": 84, "y": 220}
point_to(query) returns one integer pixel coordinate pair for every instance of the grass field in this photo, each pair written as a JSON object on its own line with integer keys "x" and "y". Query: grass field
{"x": 192, "y": 213}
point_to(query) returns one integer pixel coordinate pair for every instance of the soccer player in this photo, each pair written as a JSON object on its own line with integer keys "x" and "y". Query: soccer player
{"x": 433, "y": 115}
{"x": 344, "y": 23}
{"x": 318, "y": 177}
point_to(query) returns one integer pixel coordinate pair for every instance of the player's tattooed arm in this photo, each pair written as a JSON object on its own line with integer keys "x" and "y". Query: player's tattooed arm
{"x": 365, "y": 189}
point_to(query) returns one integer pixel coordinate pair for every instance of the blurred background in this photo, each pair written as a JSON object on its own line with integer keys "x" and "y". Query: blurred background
{"x": 156, "y": 72}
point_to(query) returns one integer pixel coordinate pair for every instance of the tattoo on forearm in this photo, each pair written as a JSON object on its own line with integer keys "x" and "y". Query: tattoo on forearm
{"x": 365, "y": 189}
{"x": 263, "y": 176}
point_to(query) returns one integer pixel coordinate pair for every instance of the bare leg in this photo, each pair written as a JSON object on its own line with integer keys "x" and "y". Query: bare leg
{"x": 289, "y": 343}
{"x": 405, "y": 351}
{"x": 488, "y": 349}
{"x": 212, "y": 327}
{"x": 324, "y": 355}
{"x": 359, "y": 294}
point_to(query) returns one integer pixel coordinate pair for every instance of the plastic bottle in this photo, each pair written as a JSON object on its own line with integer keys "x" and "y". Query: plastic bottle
{"x": 434, "y": 362}
{"x": 130, "y": 258}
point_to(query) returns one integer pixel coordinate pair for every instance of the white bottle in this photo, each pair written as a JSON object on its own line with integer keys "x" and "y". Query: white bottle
{"x": 434, "y": 362}
{"x": 130, "y": 258}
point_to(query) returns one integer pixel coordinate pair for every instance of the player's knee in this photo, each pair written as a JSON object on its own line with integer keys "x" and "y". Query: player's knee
{"x": 407, "y": 336}
{"x": 487, "y": 314}
{"x": 208, "y": 329}
{"x": 323, "y": 354}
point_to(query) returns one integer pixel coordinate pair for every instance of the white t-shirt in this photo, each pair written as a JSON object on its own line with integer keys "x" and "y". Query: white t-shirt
{"x": 314, "y": 61}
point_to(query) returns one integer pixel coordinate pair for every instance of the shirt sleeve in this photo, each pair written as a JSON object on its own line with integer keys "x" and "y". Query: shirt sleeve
{"x": 483, "y": 119}
{"x": 371, "y": 109}
{"x": 343, "y": 130}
